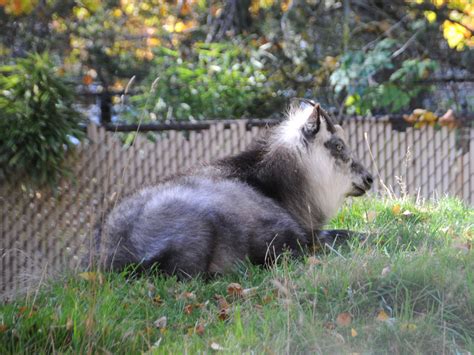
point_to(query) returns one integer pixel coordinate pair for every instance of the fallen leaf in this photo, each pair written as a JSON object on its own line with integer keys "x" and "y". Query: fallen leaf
{"x": 235, "y": 290}
{"x": 382, "y": 316}
{"x": 353, "y": 332}
{"x": 329, "y": 325}
{"x": 188, "y": 309}
{"x": 186, "y": 296}
{"x": 216, "y": 347}
{"x": 267, "y": 299}
{"x": 158, "y": 300}
{"x": 312, "y": 260}
{"x": 92, "y": 276}
{"x": 344, "y": 319}
{"x": 223, "y": 307}
{"x": 396, "y": 209}
{"x": 370, "y": 216}
{"x": 248, "y": 292}
{"x": 3, "y": 328}
{"x": 408, "y": 326}
{"x": 69, "y": 324}
{"x": 385, "y": 271}
{"x": 161, "y": 322}
{"x": 149, "y": 331}
{"x": 200, "y": 328}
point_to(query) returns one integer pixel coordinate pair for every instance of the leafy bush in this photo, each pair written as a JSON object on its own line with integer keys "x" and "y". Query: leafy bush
{"x": 37, "y": 120}
{"x": 214, "y": 81}
{"x": 359, "y": 72}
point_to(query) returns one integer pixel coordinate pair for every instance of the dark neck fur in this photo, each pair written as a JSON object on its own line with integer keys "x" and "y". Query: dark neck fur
{"x": 278, "y": 175}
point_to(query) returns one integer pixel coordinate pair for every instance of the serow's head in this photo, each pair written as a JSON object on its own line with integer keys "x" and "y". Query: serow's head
{"x": 327, "y": 157}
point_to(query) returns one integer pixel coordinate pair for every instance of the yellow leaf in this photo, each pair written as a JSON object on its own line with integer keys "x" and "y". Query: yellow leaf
{"x": 344, "y": 319}
{"x": 117, "y": 13}
{"x": 92, "y": 276}
{"x": 430, "y": 16}
{"x": 153, "y": 42}
{"x": 353, "y": 332}
{"x": 396, "y": 209}
{"x": 408, "y": 326}
{"x": 382, "y": 316}
{"x": 179, "y": 27}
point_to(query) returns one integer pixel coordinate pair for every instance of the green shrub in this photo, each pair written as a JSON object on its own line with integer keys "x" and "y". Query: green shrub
{"x": 37, "y": 120}
{"x": 214, "y": 81}
{"x": 372, "y": 80}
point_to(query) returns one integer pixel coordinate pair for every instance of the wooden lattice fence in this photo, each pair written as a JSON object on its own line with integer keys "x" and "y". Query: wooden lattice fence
{"x": 42, "y": 234}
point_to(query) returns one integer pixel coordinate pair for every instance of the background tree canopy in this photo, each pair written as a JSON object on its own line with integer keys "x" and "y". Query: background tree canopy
{"x": 206, "y": 59}
{"x": 363, "y": 56}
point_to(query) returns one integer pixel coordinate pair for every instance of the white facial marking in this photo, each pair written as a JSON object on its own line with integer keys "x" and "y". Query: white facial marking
{"x": 328, "y": 184}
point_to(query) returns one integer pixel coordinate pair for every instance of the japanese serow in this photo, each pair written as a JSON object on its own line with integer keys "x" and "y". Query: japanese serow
{"x": 276, "y": 196}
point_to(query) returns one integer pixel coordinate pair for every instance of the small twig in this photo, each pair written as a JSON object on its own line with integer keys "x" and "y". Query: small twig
{"x": 406, "y": 45}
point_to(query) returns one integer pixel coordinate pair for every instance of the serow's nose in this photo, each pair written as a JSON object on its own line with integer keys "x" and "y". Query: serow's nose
{"x": 368, "y": 180}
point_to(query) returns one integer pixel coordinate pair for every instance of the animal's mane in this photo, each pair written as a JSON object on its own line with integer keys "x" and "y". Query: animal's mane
{"x": 274, "y": 166}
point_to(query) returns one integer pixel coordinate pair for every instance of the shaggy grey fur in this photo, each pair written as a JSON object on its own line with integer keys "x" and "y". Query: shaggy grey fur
{"x": 254, "y": 206}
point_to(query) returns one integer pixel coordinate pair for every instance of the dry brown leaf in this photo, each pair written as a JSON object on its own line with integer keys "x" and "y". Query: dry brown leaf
{"x": 312, "y": 260}
{"x": 188, "y": 309}
{"x": 267, "y": 299}
{"x": 223, "y": 307}
{"x": 200, "y": 328}
{"x": 161, "y": 322}
{"x": 344, "y": 319}
{"x": 92, "y": 276}
{"x": 186, "y": 296}
{"x": 329, "y": 325}
{"x": 3, "y": 328}
{"x": 382, "y": 316}
{"x": 69, "y": 323}
{"x": 234, "y": 289}
{"x": 353, "y": 332}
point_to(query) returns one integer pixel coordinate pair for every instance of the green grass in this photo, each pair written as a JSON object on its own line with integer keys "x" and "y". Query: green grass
{"x": 408, "y": 289}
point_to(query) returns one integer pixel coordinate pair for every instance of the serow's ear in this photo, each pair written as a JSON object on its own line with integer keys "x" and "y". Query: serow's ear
{"x": 313, "y": 123}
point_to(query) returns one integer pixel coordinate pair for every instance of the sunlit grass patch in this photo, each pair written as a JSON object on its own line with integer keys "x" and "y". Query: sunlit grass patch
{"x": 407, "y": 288}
